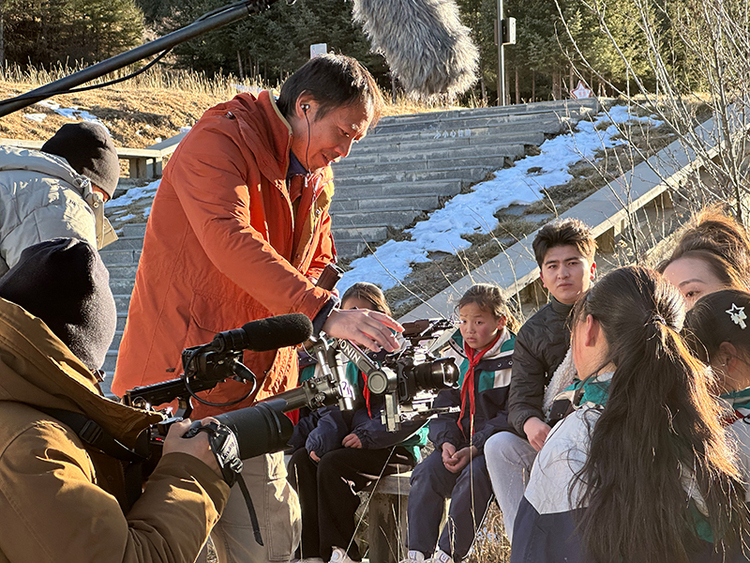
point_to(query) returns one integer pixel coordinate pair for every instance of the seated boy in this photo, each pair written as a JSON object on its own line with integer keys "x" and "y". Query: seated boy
{"x": 564, "y": 251}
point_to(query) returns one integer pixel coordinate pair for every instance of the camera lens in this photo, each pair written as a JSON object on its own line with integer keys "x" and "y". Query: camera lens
{"x": 438, "y": 374}
{"x": 260, "y": 429}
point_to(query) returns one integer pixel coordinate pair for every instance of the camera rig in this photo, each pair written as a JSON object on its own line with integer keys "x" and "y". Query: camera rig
{"x": 409, "y": 377}
{"x": 406, "y": 378}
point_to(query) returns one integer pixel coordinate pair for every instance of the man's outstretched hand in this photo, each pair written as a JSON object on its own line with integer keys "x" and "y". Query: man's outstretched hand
{"x": 370, "y": 329}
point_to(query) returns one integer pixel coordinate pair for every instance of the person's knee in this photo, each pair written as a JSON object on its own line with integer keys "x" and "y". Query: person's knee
{"x": 507, "y": 448}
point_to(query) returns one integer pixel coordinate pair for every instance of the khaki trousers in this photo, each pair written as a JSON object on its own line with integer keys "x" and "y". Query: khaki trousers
{"x": 278, "y": 511}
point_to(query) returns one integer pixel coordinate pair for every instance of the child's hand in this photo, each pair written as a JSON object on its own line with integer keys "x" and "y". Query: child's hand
{"x": 314, "y": 457}
{"x": 351, "y": 441}
{"x": 448, "y": 451}
{"x": 536, "y": 432}
{"x": 461, "y": 459}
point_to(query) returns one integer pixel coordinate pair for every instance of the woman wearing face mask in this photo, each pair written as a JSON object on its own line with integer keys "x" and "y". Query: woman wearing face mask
{"x": 642, "y": 470}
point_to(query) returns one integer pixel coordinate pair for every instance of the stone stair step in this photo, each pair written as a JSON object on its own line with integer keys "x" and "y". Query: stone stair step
{"x": 397, "y": 153}
{"x": 508, "y": 112}
{"x": 395, "y": 218}
{"x": 434, "y": 141}
{"x": 126, "y": 243}
{"x": 109, "y": 368}
{"x": 122, "y": 302}
{"x": 121, "y": 318}
{"x": 434, "y": 132}
{"x": 121, "y": 286}
{"x": 120, "y": 257}
{"x": 366, "y": 203}
{"x": 489, "y": 161}
{"x": 360, "y": 234}
{"x": 549, "y": 123}
{"x": 441, "y": 187}
{"x": 467, "y": 174}
{"x": 515, "y": 109}
{"x": 122, "y": 271}
{"x": 133, "y": 229}
{"x": 352, "y": 247}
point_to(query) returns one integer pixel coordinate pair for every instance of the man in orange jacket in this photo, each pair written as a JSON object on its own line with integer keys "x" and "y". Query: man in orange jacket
{"x": 240, "y": 230}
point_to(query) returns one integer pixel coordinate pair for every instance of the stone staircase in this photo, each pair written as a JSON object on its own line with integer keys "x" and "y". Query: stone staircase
{"x": 410, "y": 164}
{"x": 121, "y": 258}
{"x": 407, "y": 165}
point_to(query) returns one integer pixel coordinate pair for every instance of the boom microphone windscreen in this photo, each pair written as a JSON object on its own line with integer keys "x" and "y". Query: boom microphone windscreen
{"x": 266, "y": 334}
{"x": 427, "y": 47}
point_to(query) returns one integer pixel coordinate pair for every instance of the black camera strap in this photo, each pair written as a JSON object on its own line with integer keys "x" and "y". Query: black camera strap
{"x": 94, "y": 435}
{"x": 224, "y": 445}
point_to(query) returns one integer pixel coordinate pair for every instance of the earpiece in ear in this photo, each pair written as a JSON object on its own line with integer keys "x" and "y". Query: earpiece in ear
{"x": 305, "y": 107}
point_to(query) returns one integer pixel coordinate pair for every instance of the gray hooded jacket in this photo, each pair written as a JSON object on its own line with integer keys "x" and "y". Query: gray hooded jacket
{"x": 42, "y": 197}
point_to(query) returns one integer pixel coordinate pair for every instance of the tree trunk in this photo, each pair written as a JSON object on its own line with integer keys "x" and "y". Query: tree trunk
{"x": 2, "y": 43}
{"x": 507, "y": 89}
{"x": 518, "y": 88}
{"x": 570, "y": 81}
{"x": 239, "y": 65}
{"x": 484, "y": 91}
{"x": 556, "y": 80}
{"x": 533, "y": 86}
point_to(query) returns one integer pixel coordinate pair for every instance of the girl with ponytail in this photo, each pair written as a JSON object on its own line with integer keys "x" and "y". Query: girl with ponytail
{"x": 717, "y": 331}
{"x": 642, "y": 471}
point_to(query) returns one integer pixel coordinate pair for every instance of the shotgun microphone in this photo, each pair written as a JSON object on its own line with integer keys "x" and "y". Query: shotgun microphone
{"x": 424, "y": 42}
{"x": 265, "y": 334}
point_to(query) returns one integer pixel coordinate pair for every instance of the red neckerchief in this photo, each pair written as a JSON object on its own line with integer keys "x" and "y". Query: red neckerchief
{"x": 366, "y": 393}
{"x": 474, "y": 357}
{"x": 731, "y": 417}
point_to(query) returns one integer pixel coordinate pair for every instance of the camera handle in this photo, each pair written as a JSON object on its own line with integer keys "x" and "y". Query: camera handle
{"x": 380, "y": 381}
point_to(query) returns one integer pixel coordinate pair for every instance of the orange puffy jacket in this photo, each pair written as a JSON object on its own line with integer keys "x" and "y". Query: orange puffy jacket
{"x": 225, "y": 246}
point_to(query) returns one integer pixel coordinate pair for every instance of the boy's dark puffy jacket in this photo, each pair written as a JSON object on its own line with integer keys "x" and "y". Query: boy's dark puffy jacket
{"x": 491, "y": 386}
{"x": 364, "y": 421}
{"x": 540, "y": 348}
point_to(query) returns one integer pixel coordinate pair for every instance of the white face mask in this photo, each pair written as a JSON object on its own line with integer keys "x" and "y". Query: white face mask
{"x": 105, "y": 232}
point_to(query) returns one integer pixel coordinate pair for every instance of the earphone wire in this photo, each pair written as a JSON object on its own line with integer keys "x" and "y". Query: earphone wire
{"x": 307, "y": 150}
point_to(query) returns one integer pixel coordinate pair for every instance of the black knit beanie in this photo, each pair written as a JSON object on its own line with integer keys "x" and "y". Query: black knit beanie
{"x": 64, "y": 282}
{"x": 89, "y": 149}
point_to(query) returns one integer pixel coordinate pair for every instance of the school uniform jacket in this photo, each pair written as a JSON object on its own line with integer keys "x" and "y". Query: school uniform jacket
{"x": 545, "y": 526}
{"x": 739, "y": 429}
{"x": 491, "y": 386}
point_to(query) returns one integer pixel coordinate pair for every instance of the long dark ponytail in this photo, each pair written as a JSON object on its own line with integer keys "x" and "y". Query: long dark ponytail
{"x": 659, "y": 424}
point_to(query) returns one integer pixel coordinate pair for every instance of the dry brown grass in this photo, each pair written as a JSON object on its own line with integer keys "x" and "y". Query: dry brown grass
{"x": 141, "y": 111}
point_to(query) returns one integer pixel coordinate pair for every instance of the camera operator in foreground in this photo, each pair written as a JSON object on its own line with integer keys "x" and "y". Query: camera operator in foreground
{"x": 62, "y": 500}
{"x": 240, "y": 231}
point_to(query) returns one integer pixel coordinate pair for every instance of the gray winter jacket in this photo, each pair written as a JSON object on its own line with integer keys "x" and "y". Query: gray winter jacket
{"x": 42, "y": 197}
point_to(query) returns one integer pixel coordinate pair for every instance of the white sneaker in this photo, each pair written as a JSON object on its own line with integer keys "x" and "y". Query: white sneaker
{"x": 441, "y": 556}
{"x": 340, "y": 556}
{"x": 414, "y": 556}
